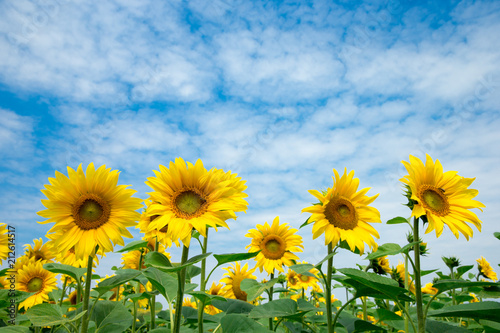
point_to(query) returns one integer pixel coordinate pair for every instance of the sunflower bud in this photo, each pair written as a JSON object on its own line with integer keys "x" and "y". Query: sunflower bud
{"x": 408, "y": 194}
{"x": 423, "y": 246}
{"x": 451, "y": 262}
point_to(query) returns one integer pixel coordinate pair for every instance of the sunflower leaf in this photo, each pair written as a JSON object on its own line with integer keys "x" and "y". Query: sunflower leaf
{"x": 318, "y": 265}
{"x": 277, "y": 308}
{"x": 303, "y": 269}
{"x": 463, "y": 269}
{"x": 233, "y": 323}
{"x": 354, "y": 324}
{"x": 254, "y": 289}
{"x": 75, "y": 273}
{"x": 496, "y": 234}
{"x": 165, "y": 283}
{"x": 305, "y": 223}
{"x": 133, "y": 246}
{"x": 204, "y": 297}
{"x": 232, "y": 257}
{"x": 111, "y": 317}
{"x": 488, "y": 310}
{"x": 444, "y": 285}
{"x": 116, "y": 280}
{"x": 397, "y": 220}
{"x": 46, "y": 314}
{"x": 156, "y": 259}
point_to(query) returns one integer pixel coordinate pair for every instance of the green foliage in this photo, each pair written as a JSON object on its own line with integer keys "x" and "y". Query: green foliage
{"x": 111, "y": 317}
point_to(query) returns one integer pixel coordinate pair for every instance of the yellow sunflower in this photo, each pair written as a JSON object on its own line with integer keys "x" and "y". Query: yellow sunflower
{"x": 4, "y": 242}
{"x": 154, "y": 234}
{"x": 299, "y": 281}
{"x": 72, "y": 299}
{"x": 486, "y": 270}
{"x": 69, "y": 258}
{"x": 89, "y": 209}
{"x": 188, "y": 302}
{"x": 474, "y": 298}
{"x": 381, "y": 265}
{"x": 39, "y": 251}
{"x": 215, "y": 289}
{"x": 131, "y": 259}
{"x": 275, "y": 244}
{"x": 443, "y": 198}
{"x": 343, "y": 213}
{"x": 33, "y": 278}
{"x": 429, "y": 289}
{"x": 232, "y": 280}
{"x": 4, "y": 284}
{"x": 398, "y": 274}
{"x": 188, "y": 197}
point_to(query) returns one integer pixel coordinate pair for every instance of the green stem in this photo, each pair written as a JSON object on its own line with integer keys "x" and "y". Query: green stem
{"x": 406, "y": 304}
{"x": 332, "y": 327}
{"x": 365, "y": 311}
{"x": 407, "y": 314}
{"x": 152, "y": 300}
{"x": 270, "y": 299}
{"x": 201, "y": 303}
{"x": 418, "y": 283}
{"x": 64, "y": 290}
{"x": 181, "y": 276}
{"x": 86, "y": 296}
{"x": 135, "y": 317}
{"x": 328, "y": 291}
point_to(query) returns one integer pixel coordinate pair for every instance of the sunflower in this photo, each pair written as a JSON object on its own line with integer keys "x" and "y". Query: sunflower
{"x": 72, "y": 299}
{"x": 380, "y": 265}
{"x": 443, "y": 198}
{"x": 485, "y": 269}
{"x": 131, "y": 259}
{"x": 69, "y": 258}
{"x": 154, "y": 234}
{"x": 275, "y": 244}
{"x": 398, "y": 274}
{"x": 4, "y": 242}
{"x": 89, "y": 209}
{"x": 4, "y": 284}
{"x": 188, "y": 197}
{"x": 232, "y": 280}
{"x": 33, "y": 278}
{"x": 40, "y": 252}
{"x": 188, "y": 302}
{"x": 215, "y": 289}
{"x": 474, "y": 298}
{"x": 298, "y": 281}
{"x": 343, "y": 213}
{"x": 429, "y": 289}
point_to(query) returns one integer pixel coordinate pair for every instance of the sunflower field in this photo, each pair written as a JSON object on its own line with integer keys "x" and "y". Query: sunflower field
{"x": 53, "y": 287}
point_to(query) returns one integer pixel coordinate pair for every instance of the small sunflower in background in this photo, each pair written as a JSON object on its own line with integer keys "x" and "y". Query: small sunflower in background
{"x": 131, "y": 259}
{"x": 188, "y": 197}
{"x": 343, "y": 213}
{"x": 44, "y": 253}
{"x": 275, "y": 243}
{"x": 429, "y": 289}
{"x": 33, "y": 278}
{"x": 4, "y": 242}
{"x": 215, "y": 289}
{"x": 441, "y": 197}
{"x": 380, "y": 265}
{"x": 232, "y": 280}
{"x": 305, "y": 281}
{"x": 188, "y": 302}
{"x": 398, "y": 274}
{"x": 89, "y": 209}
{"x": 485, "y": 269}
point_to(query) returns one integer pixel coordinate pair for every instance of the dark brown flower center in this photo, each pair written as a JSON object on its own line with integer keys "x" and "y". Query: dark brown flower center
{"x": 91, "y": 211}
{"x": 273, "y": 247}
{"x": 341, "y": 213}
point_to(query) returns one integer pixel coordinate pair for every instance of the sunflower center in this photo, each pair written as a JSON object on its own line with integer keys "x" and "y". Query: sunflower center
{"x": 304, "y": 278}
{"x": 189, "y": 203}
{"x": 38, "y": 255}
{"x": 90, "y": 212}
{"x": 273, "y": 247}
{"x": 35, "y": 284}
{"x": 341, "y": 213}
{"x": 434, "y": 199}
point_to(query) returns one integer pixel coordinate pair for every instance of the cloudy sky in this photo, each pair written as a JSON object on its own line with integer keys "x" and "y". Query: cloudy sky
{"x": 280, "y": 92}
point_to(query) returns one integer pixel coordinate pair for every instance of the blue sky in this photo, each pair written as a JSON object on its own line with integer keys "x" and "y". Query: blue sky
{"x": 278, "y": 92}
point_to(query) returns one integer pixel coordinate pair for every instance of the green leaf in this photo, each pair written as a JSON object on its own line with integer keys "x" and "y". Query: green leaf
{"x": 277, "y": 308}
{"x": 75, "y": 273}
{"x": 18, "y": 296}
{"x": 328, "y": 256}
{"x": 165, "y": 283}
{"x": 305, "y": 306}
{"x": 371, "y": 284}
{"x": 303, "y": 269}
{"x": 192, "y": 271}
{"x": 254, "y": 289}
{"x": 177, "y": 268}
{"x": 46, "y": 314}
{"x": 111, "y": 317}
{"x": 156, "y": 259}
{"x": 423, "y": 273}
{"x": 463, "y": 269}
{"x": 397, "y": 220}
{"x": 237, "y": 323}
{"x": 305, "y": 223}
{"x": 232, "y": 306}
{"x": 444, "y": 285}
{"x": 354, "y": 324}
{"x": 204, "y": 297}
{"x": 481, "y": 310}
{"x": 232, "y": 257}
{"x": 497, "y": 235}
{"x": 344, "y": 245}
{"x": 133, "y": 246}
{"x": 14, "y": 329}
{"x": 4, "y": 272}
{"x": 386, "y": 249}
{"x": 125, "y": 275}
{"x": 391, "y": 319}
{"x": 434, "y": 326}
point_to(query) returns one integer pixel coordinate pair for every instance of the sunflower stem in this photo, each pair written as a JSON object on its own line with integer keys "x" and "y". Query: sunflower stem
{"x": 181, "y": 276}
{"x": 328, "y": 290}
{"x": 135, "y": 317}
{"x": 270, "y": 299}
{"x": 64, "y": 290}
{"x": 86, "y": 295}
{"x": 406, "y": 304}
{"x": 152, "y": 300}
{"x": 418, "y": 283}
{"x": 201, "y": 303}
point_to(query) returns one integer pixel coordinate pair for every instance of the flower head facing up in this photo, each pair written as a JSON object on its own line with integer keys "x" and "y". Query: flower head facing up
{"x": 33, "y": 278}
{"x": 485, "y": 269}
{"x": 188, "y": 197}
{"x": 442, "y": 197}
{"x": 89, "y": 209}
{"x": 343, "y": 213}
{"x": 39, "y": 251}
{"x": 232, "y": 280}
{"x": 275, "y": 243}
